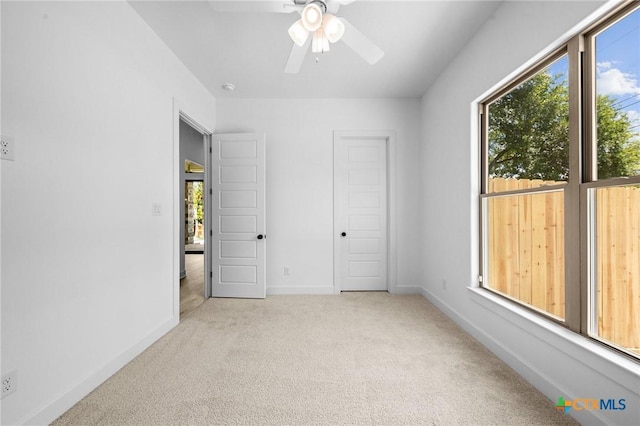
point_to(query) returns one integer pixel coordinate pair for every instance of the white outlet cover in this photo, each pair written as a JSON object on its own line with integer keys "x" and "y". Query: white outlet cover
{"x": 9, "y": 383}
{"x": 7, "y": 148}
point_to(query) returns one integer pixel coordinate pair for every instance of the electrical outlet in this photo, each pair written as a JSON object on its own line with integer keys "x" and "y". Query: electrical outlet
{"x": 7, "y": 149}
{"x": 9, "y": 383}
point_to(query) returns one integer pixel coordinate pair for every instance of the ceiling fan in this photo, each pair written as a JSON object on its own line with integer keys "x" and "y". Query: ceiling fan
{"x": 318, "y": 25}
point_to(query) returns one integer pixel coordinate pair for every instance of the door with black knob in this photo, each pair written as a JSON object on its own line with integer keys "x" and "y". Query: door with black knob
{"x": 360, "y": 199}
{"x": 238, "y": 222}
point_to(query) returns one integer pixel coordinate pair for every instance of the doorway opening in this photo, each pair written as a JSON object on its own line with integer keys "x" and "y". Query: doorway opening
{"x": 194, "y": 209}
{"x": 192, "y": 217}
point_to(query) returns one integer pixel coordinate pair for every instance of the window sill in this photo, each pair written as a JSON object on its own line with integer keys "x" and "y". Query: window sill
{"x": 624, "y": 370}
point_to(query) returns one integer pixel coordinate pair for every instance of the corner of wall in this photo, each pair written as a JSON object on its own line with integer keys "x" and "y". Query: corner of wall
{"x": 52, "y": 411}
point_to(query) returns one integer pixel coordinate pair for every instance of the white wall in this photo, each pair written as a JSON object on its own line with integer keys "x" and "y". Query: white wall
{"x": 88, "y": 274}
{"x": 559, "y": 363}
{"x": 299, "y": 135}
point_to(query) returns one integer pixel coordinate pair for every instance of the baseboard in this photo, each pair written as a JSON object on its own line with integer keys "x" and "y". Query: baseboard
{"x": 59, "y": 406}
{"x": 495, "y": 346}
{"x": 537, "y": 378}
{"x": 405, "y": 289}
{"x": 282, "y": 290}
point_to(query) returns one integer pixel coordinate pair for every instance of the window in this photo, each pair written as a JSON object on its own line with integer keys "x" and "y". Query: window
{"x": 527, "y": 166}
{"x": 560, "y": 193}
{"x": 612, "y": 192}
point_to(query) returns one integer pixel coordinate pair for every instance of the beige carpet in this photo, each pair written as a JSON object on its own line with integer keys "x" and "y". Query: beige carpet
{"x": 356, "y": 358}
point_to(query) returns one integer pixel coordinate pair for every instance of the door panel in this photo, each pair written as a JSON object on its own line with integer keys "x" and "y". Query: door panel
{"x": 242, "y": 275}
{"x": 361, "y": 213}
{"x": 238, "y": 249}
{"x": 238, "y": 174}
{"x": 238, "y": 199}
{"x": 364, "y": 245}
{"x": 238, "y": 225}
{"x": 238, "y": 185}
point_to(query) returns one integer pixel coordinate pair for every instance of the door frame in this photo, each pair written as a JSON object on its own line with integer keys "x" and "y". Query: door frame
{"x": 389, "y": 137}
{"x": 180, "y": 114}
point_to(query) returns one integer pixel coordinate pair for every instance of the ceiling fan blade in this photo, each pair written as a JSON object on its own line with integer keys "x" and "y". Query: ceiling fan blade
{"x": 360, "y": 43}
{"x": 296, "y": 57}
{"x": 264, "y": 6}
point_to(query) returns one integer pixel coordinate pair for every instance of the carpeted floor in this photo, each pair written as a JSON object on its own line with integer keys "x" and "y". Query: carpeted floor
{"x": 354, "y": 358}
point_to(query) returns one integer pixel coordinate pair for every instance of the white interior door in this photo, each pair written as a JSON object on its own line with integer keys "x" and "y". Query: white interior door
{"x": 361, "y": 213}
{"x": 238, "y": 216}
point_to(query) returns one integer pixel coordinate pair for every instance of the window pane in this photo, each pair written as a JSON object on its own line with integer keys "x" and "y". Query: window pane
{"x": 616, "y": 274}
{"x": 528, "y": 131}
{"x": 618, "y": 98}
{"x": 524, "y": 249}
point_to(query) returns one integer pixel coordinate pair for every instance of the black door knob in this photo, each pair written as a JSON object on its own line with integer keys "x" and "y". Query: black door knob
{"x": 260, "y": 236}
{"x": 344, "y": 234}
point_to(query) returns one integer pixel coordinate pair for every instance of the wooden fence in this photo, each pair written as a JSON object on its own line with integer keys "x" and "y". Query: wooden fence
{"x": 525, "y": 253}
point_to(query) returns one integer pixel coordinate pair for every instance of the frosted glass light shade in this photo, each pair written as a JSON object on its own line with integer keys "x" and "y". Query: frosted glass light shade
{"x": 320, "y": 42}
{"x": 312, "y": 17}
{"x": 298, "y": 33}
{"x": 333, "y": 27}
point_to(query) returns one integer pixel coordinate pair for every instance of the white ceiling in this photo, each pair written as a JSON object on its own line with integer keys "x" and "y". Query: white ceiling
{"x": 250, "y": 49}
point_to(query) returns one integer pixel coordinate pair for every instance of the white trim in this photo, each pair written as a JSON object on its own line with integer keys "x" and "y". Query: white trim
{"x": 521, "y": 366}
{"x": 580, "y": 349}
{"x": 407, "y": 289}
{"x": 389, "y": 136}
{"x": 52, "y": 410}
{"x": 392, "y": 207}
{"x": 180, "y": 114}
{"x": 207, "y": 225}
{"x": 272, "y": 291}
{"x": 624, "y": 369}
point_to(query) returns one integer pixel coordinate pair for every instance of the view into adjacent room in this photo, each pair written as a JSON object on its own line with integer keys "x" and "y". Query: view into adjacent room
{"x": 192, "y": 282}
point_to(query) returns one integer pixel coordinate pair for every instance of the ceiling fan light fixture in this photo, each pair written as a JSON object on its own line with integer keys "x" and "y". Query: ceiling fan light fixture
{"x": 333, "y": 27}
{"x": 320, "y": 42}
{"x": 312, "y": 16}
{"x": 298, "y": 33}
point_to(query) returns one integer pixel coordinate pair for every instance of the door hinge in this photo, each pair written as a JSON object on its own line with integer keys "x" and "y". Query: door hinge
{"x": 210, "y": 191}
{"x": 210, "y": 274}
{"x": 211, "y": 232}
{"x": 210, "y": 149}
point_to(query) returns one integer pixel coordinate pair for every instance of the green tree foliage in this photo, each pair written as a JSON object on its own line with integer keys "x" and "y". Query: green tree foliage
{"x": 529, "y": 133}
{"x": 198, "y": 201}
{"x": 618, "y": 146}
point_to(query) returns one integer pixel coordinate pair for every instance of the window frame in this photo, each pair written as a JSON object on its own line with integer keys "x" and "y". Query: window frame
{"x": 483, "y": 120}
{"x": 580, "y": 51}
